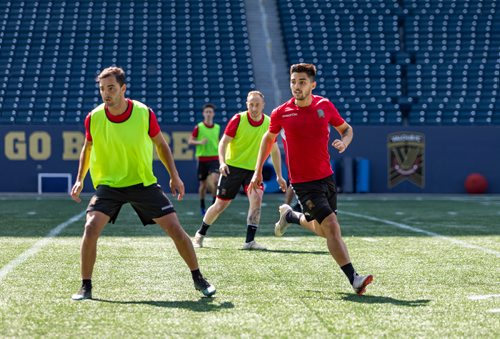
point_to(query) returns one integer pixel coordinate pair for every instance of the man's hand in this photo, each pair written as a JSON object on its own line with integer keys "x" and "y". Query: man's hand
{"x": 76, "y": 190}
{"x": 223, "y": 169}
{"x": 339, "y": 145}
{"x": 177, "y": 187}
{"x": 282, "y": 183}
{"x": 256, "y": 182}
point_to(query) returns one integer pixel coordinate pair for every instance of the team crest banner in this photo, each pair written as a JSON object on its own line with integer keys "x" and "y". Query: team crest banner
{"x": 406, "y": 154}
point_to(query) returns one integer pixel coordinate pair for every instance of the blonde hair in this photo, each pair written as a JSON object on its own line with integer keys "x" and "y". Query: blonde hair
{"x": 259, "y": 93}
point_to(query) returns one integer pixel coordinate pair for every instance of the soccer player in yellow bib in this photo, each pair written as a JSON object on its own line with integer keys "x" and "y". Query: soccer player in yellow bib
{"x": 205, "y": 137}
{"x": 118, "y": 150}
{"x": 238, "y": 151}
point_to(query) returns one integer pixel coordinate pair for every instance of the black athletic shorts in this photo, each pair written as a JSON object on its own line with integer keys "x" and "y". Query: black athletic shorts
{"x": 205, "y": 168}
{"x": 149, "y": 202}
{"x": 230, "y": 185}
{"x": 318, "y": 198}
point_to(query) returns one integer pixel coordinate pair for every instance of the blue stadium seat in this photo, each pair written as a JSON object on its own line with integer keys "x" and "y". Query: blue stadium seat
{"x": 457, "y": 63}
{"x": 166, "y": 49}
{"x": 351, "y": 43}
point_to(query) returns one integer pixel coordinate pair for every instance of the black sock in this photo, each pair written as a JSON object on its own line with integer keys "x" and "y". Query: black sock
{"x": 251, "y": 229}
{"x": 202, "y": 203}
{"x": 293, "y": 218}
{"x": 87, "y": 284}
{"x": 196, "y": 274}
{"x": 203, "y": 229}
{"x": 349, "y": 272}
{"x": 213, "y": 200}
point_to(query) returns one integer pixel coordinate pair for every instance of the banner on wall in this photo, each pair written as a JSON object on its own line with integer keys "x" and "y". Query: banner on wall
{"x": 406, "y": 158}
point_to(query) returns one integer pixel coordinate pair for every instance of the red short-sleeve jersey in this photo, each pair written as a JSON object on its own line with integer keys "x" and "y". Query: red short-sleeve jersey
{"x": 306, "y": 132}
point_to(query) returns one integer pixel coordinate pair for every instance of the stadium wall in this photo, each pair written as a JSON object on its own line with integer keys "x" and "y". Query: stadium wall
{"x": 429, "y": 159}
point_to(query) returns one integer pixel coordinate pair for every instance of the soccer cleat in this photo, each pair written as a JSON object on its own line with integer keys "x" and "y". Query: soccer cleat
{"x": 205, "y": 287}
{"x": 253, "y": 245}
{"x": 83, "y": 293}
{"x": 360, "y": 282}
{"x": 198, "y": 240}
{"x": 297, "y": 208}
{"x": 281, "y": 226}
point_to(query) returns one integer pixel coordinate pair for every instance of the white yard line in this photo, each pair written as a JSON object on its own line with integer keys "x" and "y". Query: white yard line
{"x": 37, "y": 246}
{"x": 482, "y": 297}
{"x": 429, "y": 233}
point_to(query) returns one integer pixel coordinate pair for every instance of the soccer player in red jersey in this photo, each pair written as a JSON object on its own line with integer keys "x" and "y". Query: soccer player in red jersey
{"x": 305, "y": 120}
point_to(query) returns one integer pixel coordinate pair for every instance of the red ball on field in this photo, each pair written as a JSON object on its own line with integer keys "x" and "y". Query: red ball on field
{"x": 476, "y": 183}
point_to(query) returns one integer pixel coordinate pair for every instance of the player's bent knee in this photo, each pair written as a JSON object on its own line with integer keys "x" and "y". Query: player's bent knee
{"x": 92, "y": 230}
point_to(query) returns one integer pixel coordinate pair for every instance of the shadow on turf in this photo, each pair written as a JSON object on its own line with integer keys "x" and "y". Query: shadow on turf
{"x": 201, "y": 305}
{"x": 373, "y": 299}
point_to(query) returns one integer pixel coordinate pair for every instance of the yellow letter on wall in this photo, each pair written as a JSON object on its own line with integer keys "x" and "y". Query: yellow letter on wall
{"x": 181, "y": 150}
{"x": 73, "y": 142}
{"x": 15, "y": 146}
{"x": 40, "y": 148}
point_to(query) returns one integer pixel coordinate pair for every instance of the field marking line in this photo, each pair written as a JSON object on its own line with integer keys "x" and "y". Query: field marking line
{"x": 429, "y": 233}
{"x": 483, "y": 297}
{"x": 38, "y": 245}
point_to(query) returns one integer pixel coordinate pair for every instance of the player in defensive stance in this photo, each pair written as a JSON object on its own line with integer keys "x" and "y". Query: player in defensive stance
{"x": 118, "y": 150}
{"x": 305, "y": 120}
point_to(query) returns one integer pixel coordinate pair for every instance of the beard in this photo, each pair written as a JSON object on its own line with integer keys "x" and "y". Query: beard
{"x": 299, "y": 96}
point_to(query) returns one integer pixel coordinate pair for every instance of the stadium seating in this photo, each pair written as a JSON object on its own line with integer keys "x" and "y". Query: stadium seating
{"x": 177, "y": 55}
{"x": 391, "y": 62}
{"x": 351, "y": 42}
{"x": 431, "y": 62}
{"x": 456, "y": 74}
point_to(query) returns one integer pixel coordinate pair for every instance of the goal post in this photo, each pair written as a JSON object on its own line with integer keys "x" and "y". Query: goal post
{"x": 54, "y": 182}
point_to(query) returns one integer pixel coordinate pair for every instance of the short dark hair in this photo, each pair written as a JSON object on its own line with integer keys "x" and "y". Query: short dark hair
{"x": 117, "y": 72}
{"x": 208, "y": 105}
{"x": 309, "y": 69}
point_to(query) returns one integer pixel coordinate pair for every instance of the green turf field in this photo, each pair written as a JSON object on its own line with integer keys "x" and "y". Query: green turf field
{"x": 435, "y": 260}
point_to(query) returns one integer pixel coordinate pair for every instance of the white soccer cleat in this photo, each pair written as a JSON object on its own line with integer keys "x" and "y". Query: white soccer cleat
{"x": 360, "y": 282}
{"x": 82, "y": 294}
{"x": 198, "y": 240}
{"x": 253, "y": 245}
{"x": 281, "y": 226}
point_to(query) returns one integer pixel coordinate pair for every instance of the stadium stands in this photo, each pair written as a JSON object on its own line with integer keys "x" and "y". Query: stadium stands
{"x": 456, "y": 74}
{"x": 351, "y": 42}
{"x": 395, "y": 62}
{"x": 178, "y": 55}
{"x": 382, "y": 62}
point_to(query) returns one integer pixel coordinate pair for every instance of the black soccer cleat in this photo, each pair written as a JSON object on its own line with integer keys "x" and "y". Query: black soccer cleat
{"x": 204, "y": 286}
